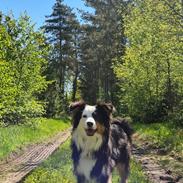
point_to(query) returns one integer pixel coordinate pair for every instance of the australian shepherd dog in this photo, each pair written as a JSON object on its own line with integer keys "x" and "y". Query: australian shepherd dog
{"x": 99, "y": 143}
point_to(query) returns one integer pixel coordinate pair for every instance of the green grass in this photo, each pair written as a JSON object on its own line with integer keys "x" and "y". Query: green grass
{"x": 15, "y": 137}
{"x": 161, "y": 135}
{"x": 58, "y": 169}
{"x": 166, "y": 137}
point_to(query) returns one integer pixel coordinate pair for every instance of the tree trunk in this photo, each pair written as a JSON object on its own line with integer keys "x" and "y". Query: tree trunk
{"x": 170, "y": 97}
{"x": 75, "y": 83}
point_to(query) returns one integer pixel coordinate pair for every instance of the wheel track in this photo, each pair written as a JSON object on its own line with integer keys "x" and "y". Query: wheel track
{"x": 14, "y": 170}
{"x": 154, "y": 172}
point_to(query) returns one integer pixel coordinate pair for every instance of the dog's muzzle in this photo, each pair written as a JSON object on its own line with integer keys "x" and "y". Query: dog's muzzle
{"x": 90, "y": 127}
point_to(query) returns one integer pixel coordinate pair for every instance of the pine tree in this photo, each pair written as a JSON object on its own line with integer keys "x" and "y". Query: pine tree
{"x": 102, "y": 42}
{"x": 60, "y": 27}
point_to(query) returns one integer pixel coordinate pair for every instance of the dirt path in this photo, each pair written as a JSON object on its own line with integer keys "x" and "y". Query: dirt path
{"x": 147, "y": 157}
{"x": 15, "y": 169}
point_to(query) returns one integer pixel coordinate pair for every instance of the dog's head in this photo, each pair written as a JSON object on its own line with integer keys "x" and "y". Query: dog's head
{"x": 91, "y": 119}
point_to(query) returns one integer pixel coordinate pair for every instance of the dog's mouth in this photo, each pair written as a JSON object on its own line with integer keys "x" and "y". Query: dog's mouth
{"x": 90, "y": 131}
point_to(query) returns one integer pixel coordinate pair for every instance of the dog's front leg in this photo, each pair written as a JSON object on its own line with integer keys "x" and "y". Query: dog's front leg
{"x": 110, "y": 179}
{"x": 81, "y": 179}
{"x": 105, "y": 179}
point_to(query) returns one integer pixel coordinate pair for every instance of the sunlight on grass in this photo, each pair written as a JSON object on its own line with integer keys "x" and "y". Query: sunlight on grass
{"x": 162, "y": 135}
{"x": 58, "y": 169}
{"x": 14, "y": 137}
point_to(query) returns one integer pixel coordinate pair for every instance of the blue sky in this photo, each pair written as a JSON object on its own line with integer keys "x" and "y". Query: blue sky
{"x": 37, "y": 9}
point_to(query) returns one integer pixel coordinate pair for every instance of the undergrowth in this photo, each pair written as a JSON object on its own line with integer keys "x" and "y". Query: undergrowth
{"x": 161, "y": 135}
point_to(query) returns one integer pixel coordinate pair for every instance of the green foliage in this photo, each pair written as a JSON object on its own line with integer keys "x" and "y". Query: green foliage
{"x": 7, "y": 90}
{"x": 137, "y": 175}
{"x": 14, "y": 137}
{"x": 101, "y": 42}
{"x": 151, "y": 71}
{"x": 58, "y": 168}
{"x": 167, "y": 139}
{"x": 61, "y": 28}
{"x": 167, "y": 136}
{"x": 126, "y": 52}
{"x": 22, "y": 61}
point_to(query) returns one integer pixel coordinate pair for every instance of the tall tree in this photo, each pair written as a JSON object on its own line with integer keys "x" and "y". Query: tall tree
{"x": 7, "y": 94}
{"x": 60, "y": 27}
{"x": 152, "y": 72}
{"x": 76, "y": 61}
{"x": 23, "y": 59}
{"x": 102, "y": 42}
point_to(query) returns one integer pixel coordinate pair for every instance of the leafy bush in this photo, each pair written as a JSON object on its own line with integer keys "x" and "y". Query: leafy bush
{"x": 23, "y": 53}
{"x": 150, "y": 72}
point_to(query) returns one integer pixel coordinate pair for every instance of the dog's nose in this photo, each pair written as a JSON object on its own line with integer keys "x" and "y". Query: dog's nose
{"x": 89, "y": 124}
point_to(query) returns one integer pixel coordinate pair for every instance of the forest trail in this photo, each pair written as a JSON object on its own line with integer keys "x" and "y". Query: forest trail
{"x": 14, "y": 169}
{"x": 147, "y": 157}
{"x": 17, "y": 167}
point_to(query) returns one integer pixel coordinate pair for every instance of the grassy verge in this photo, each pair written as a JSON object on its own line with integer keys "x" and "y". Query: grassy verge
{"x": 14, "y": 137}
{"x": 167, "y": 140}
{"x": 58, "y": 169}
{"x": 161, "y": 135}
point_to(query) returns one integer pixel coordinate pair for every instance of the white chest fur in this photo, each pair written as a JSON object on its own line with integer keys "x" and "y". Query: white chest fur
{"x": 87, "y": 145}
{"x": 86, "y": 165}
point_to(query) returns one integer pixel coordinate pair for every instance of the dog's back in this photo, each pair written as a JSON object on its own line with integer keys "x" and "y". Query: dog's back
{"x": 119, "y": 124}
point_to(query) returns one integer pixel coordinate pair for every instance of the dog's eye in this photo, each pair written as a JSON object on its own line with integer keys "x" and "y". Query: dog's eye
{"x": 94, "y": 114}
{"x": 84, "y": 116}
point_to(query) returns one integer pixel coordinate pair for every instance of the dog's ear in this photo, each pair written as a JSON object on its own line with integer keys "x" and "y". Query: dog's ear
{"x": 108, "y": 107}
{"x": 76, "y": 105}
{"x": 76, "y": 109}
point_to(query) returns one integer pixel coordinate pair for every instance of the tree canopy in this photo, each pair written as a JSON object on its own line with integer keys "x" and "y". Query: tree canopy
{"x": 128, "y": 52}
{"x": 151, "y": 71}
{"x": 23, "y": 56}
